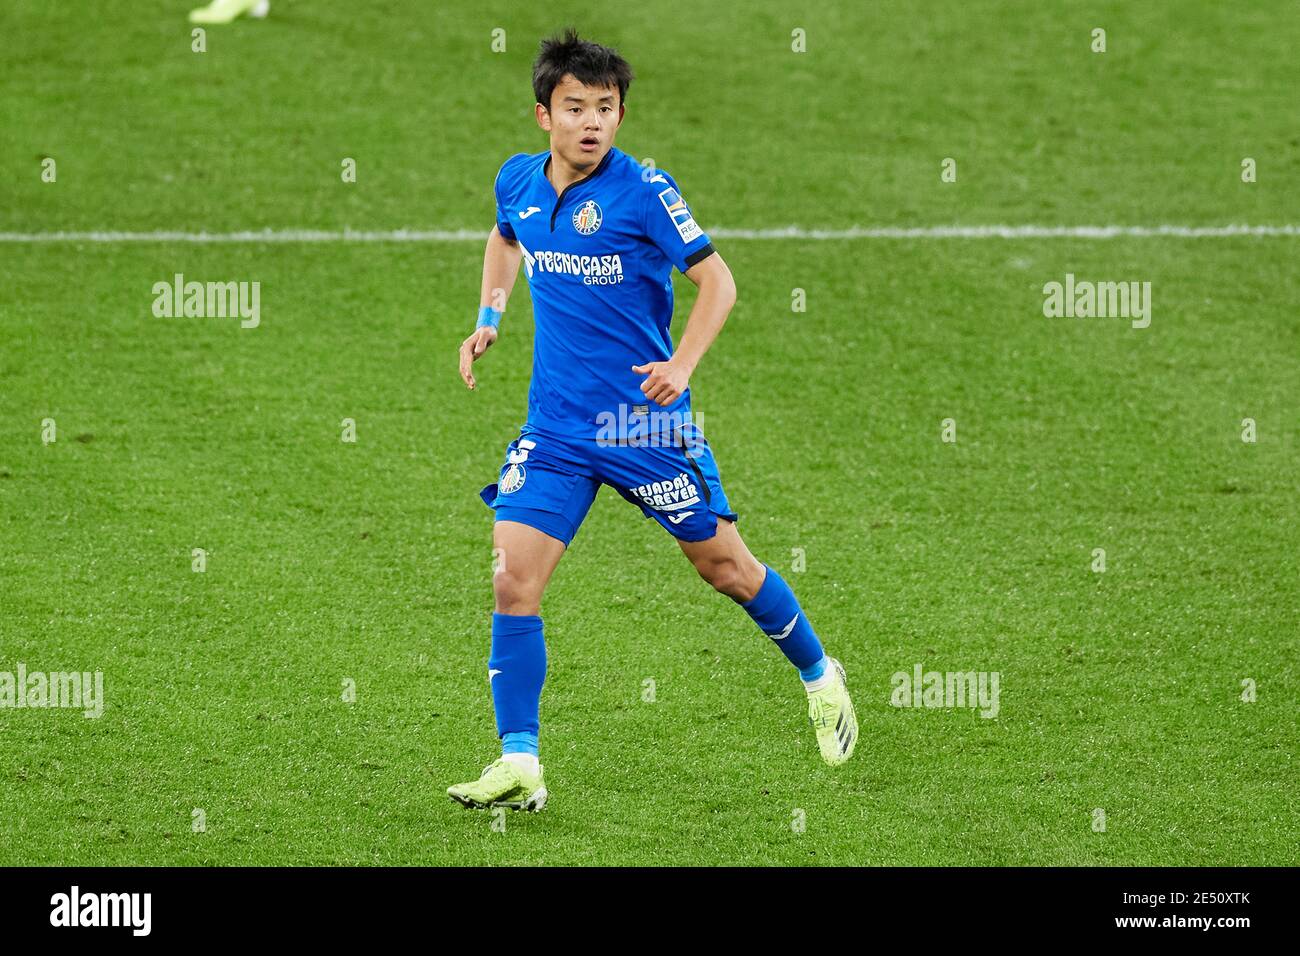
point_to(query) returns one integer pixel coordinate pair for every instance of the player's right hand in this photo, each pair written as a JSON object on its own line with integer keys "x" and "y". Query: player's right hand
{"x": 472, "y": 348}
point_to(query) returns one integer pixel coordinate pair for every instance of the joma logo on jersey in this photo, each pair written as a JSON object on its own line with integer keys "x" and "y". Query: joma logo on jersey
{"x": 594, "y": 270}
{"x": 668, "y": 495}
{"x": 587, "y": 218}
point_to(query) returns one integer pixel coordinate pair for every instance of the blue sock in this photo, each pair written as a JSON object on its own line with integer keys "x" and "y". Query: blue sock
{"x": 777, "y": 612}
{"x": 517, "y": 670}
{"x": 519, "y": 742}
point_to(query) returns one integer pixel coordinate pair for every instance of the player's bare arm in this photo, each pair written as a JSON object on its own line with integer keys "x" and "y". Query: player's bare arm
{"x": 501, "y": 261}
{"x": 667, "y": 381}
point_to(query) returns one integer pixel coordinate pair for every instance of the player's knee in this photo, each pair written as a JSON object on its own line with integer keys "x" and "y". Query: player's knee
{"x": 516, "y": 593}
{"x": 730, "y": 577}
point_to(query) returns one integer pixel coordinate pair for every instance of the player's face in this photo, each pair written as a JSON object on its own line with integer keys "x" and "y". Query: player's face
{"x": 582, "y": 121}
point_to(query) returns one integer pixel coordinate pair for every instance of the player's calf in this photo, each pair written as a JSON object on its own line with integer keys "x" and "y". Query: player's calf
{"x": 727, "y": 564}
{"x": 523, "y": 560}
{"x": 777, "y": 612}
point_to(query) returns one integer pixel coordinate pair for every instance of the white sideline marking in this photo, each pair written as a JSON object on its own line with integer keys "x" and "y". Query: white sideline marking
{"x": 788, "y": 232}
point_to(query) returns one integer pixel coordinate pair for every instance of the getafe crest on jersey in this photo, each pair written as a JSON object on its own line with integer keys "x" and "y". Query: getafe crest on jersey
{"x": 587, "y": 218}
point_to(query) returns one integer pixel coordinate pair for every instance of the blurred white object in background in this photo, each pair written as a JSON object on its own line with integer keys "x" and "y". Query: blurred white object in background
{"x": 224, "y": 11}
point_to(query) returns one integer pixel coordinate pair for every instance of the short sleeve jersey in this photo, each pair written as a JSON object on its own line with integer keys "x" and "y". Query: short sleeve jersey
{"x": 599, "y": 260}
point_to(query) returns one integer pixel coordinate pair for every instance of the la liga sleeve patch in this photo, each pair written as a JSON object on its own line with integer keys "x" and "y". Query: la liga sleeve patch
{"x": 680, "y": 214}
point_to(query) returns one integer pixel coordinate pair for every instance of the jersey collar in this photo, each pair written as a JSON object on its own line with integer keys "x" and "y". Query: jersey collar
{"x": 600, "y": 168}
{"x": 559, "y": 200}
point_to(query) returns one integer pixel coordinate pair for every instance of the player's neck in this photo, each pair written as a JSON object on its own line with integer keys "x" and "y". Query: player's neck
{"x": 563, "y": 174}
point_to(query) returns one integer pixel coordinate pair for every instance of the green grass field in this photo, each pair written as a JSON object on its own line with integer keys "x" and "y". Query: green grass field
{"x": 370, "y": 562}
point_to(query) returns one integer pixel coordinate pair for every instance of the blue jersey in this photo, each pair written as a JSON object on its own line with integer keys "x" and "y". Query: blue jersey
{"x": 599, "y": 260}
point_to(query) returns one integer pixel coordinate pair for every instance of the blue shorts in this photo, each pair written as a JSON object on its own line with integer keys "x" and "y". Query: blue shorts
{"x": 549, "y": 482}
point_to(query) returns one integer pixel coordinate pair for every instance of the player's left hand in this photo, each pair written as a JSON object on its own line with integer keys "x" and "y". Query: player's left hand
{"x": 665, "y": 381}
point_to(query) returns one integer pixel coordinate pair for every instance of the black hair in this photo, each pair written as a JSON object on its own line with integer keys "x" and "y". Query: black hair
{"x": 589, "y": 63}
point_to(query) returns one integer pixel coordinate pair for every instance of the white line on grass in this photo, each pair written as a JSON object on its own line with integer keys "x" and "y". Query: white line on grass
{"x": 788, "y": 232}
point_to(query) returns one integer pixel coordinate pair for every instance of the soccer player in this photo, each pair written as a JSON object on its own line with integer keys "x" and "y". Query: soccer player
{"x": 599, "y": 235}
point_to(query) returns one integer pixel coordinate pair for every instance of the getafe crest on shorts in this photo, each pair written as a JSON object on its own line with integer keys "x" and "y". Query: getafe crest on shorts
{"x": 513, "y": 480}
{"x": 587, "y": 218}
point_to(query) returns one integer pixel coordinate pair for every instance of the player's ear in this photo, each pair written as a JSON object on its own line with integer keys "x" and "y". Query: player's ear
{"x": 543, "y": 117}
{"x": 621, "y": 110}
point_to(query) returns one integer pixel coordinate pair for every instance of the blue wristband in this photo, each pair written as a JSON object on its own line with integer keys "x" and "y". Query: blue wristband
{"x": 488, "y": 316}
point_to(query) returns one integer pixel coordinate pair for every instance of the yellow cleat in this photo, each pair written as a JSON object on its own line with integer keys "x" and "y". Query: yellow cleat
{"x": 224, "y": 11}
{"x": 830, "y": 711}
{"x": 503, "y": 784}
